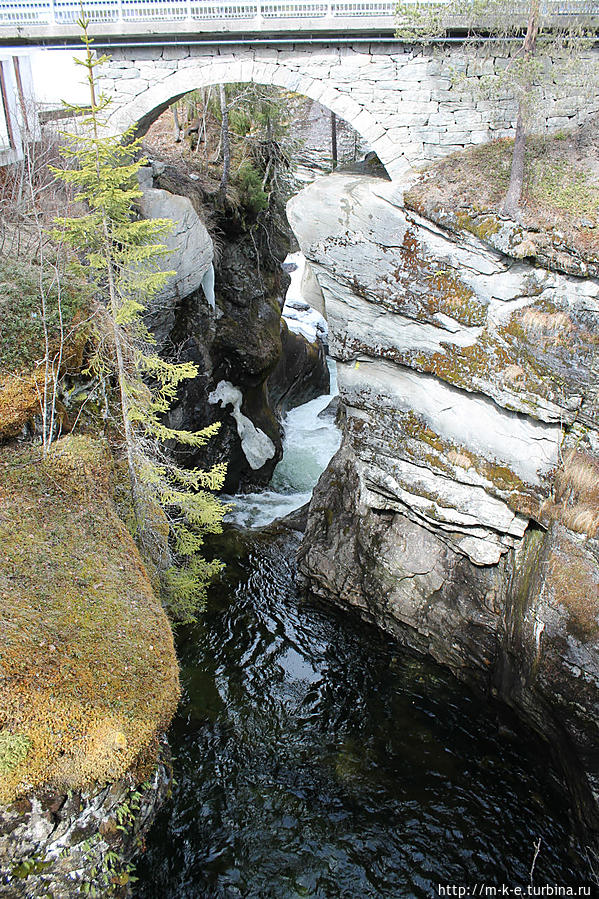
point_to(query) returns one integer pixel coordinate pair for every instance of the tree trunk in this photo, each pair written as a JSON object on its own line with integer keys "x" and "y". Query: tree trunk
{"x": 114, "y": 307}
{"x": 334, "y": 139}
{"x": 226, "y": 142}
{"x": 177, "y": 128}
{"x": 511, "y": 205}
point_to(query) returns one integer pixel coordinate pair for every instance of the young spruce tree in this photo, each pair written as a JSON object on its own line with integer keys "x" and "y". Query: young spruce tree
{"x": 121, "y": 255}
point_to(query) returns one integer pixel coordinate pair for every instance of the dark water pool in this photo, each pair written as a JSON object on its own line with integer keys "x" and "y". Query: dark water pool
{"x": 315, "y": 758}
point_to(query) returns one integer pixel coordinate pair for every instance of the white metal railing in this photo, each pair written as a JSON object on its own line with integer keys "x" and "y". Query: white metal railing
{"x": 67, "y": 12}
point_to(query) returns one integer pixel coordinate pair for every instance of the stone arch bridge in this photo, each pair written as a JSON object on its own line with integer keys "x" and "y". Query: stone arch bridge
{"x": 409, "y": 103}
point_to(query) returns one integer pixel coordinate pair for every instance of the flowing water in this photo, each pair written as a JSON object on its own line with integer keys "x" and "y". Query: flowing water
{"x": 310, "y": 441}
{"x": 315, "y": 758}
{"x": 311, "y": 437}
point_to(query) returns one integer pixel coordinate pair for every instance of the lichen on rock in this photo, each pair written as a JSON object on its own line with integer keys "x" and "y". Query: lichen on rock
{"x": 468, "y": 378}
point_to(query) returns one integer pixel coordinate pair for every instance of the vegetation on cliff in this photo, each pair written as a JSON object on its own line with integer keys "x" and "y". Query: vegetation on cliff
{"x": 560, "y": 195}
{"x": 88, "y": 670}
{"x": 88, "y": 673}
{"x": 23, "y": 360}
{"x": 121, "y": 257}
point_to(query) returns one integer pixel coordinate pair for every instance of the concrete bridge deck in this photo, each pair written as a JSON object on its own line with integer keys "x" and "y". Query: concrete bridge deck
{"x": 114, "y": 22}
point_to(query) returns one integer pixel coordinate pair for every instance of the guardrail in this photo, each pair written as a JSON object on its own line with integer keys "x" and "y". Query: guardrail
{"x": 67, "y": 12}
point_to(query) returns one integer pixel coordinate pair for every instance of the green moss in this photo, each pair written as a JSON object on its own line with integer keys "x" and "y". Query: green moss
{"x": 450, "y": 296}
{"x": 558, "y": 185}
{"x": 482, "y": 226}
{"x": 33, "y": 865}
{"x": 88, "y": 674}
{"x": 416, "y": 427}
{"x": 13, "y": 750}
{"x": 491, "y": 359}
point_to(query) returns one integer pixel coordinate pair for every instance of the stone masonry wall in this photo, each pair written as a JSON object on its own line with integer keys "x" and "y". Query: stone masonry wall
{"x": 403, "y": 100}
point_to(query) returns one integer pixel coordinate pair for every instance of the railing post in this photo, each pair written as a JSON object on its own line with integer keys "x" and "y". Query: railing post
{"x": 259, "y": 11}
{"x": 52, "y": 13}
{"x": 120, "y": 12}
{"x": 188, "y": 10}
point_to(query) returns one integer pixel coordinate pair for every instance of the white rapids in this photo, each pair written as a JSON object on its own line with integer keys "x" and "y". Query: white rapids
{"x": 310, "y": 440}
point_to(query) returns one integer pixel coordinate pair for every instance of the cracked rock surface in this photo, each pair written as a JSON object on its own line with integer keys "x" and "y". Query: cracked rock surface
{"x": 466, "y": 376}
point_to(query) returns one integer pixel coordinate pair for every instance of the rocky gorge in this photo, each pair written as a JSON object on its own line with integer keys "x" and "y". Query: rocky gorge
{"x": 77, "y": 833}
{"x": 460, "y": 513}
{"x": 223, "y": 312}
{"x": 458, "y": 519}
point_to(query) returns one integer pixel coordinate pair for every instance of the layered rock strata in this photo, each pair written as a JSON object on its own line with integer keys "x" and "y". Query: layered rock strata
{"x": 468, "y": 380}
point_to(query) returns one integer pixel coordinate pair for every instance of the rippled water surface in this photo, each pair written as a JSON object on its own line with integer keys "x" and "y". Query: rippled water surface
{"x": 314, "y": 758}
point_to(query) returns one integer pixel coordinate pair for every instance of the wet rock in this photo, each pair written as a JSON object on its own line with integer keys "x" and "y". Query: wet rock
{"x": 403, "y": 576}
{"x": 62, "y": 844}
{"x": 300, "y": 375}
{"x": 331, "y": 410}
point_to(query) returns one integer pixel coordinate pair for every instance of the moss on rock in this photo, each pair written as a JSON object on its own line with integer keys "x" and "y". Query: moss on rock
{"x": 88, "y": 672}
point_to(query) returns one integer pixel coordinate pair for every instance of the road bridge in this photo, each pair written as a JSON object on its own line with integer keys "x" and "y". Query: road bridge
{"x": 403, "y": 99}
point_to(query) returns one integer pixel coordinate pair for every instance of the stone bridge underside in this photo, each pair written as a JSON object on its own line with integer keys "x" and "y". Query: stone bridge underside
{"x": 409, "y": 103}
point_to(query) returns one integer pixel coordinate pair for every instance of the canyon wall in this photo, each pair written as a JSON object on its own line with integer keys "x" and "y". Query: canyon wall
{"x": 460, "y": 511}
{"x": 222, "y": 311}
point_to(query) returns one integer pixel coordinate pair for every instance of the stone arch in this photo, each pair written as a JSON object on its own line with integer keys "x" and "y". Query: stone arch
{"x": 144, "y": 106}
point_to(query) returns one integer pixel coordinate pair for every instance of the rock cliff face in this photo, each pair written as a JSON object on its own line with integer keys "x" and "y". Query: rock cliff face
{"x": 224, "y": 314}
{"x": 457, "y": 512}
{"x": 66, "y": 844}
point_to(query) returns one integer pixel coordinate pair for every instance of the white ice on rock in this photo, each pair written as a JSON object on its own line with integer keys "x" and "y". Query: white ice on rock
{"x": 257, "y": 447}
{"x": 299, "y": 315}
{"x": 208, "y": 286}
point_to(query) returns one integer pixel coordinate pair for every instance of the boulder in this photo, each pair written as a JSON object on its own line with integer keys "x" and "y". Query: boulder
{"x": 190, "y": 256}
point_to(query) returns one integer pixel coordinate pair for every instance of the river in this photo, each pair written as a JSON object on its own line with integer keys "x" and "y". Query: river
{"x": 314, "y": 757}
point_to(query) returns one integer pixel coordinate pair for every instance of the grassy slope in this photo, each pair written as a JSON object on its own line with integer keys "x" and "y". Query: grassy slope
{"x": 88, "y": 673}
{"x": 561, "y": 187}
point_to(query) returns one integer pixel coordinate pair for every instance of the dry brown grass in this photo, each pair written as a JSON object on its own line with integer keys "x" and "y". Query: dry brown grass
{"x": 573, "y": 582}
{"x": 460, "y": 459}
{"x": 576, "y": 494}
{"x": 88, "y": 673}
{"x": 512, "y": 373}
{"x": 561, "y": 187}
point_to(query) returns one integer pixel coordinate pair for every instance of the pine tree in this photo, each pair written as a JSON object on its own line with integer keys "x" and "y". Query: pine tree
{"x": 121, "y": 255}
